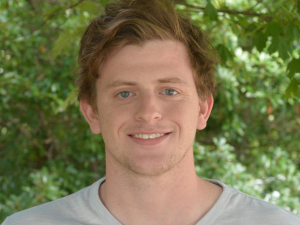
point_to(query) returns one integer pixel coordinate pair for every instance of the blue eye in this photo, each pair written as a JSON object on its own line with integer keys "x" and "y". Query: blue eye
{"x": 170, "y": 92}
{"x": 124, "y": 94}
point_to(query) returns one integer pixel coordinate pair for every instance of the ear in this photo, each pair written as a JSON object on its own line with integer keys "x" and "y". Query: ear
{"x": 205, "y": 108}
{"x": 90, "y": 116}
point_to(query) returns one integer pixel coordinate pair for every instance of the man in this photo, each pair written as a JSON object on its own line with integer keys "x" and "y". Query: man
{"x": 146, "y": 84}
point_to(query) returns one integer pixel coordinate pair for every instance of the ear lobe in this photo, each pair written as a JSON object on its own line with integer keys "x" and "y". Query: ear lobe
{"x": 205, "y": 108}
{"x": 90, "y": 116}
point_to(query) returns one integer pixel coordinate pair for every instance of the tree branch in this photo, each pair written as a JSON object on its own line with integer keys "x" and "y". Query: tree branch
{"x": 50, "y": 16}
{"x": 31, "y": 4}
{"x": 55, "y": 14}
{"x": 266, "y": 17}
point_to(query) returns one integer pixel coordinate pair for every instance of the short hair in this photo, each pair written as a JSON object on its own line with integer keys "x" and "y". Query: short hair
{"x": 134, "y": 22}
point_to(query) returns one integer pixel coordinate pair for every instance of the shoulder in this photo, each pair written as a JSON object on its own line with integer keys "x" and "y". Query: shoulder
{"x": 65, "y": 210}
{"x": 245, "y": 209}
{"x": 46, "y": 213}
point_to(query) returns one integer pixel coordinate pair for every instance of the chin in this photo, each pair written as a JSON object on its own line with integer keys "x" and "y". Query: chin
{"x": 155, "y": 167}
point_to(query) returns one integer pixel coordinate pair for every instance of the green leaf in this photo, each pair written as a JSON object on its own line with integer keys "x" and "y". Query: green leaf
{"x": 70, "y": 100}
{"x": 224, "y": 53}
{"x": 293, "y": 67}
{"x": 104, "y": 2}
{"x": 211, "y": 12}
{"x": 243, "y": 20}
{"x": 292, "y": 32}
{"x": 292, "y": 90}
{"x": 279, "y": 44}
{"x": 62, "y": 43}
{"x": 283, "y": 48}
{"x": 90, "y": 7}
{"x": 3, "y": 25}
{"x": 274, "y": 45}
{"x": 260, "y": 41}
{"x": 287, "y": 13}
{"x": 274, "y": 29}
{"x": 53, "y": 10}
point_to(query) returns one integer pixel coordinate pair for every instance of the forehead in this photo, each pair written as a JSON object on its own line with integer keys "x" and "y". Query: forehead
{"x": 147, "y": 63}
{"x": 149, "y": 52}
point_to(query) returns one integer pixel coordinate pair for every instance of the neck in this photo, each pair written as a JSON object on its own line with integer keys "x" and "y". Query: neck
{"x": 134, "y": 198}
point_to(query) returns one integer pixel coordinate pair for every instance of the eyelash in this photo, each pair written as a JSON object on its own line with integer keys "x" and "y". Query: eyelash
{"x": 119, "y": 94}
{"x": 175, "y": 92}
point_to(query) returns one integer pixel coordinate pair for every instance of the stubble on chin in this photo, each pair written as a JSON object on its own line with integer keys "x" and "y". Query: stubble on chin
{"x": 148, "y": 168}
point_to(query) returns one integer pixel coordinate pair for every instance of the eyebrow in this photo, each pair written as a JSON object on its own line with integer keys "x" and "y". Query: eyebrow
{"x": 172, "y": 80}
{"x": 167, "y": 80}
{"x": 119, "y": 83}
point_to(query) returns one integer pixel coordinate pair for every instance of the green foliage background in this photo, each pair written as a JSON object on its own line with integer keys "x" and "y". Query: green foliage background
{"x": 253, "y": 136}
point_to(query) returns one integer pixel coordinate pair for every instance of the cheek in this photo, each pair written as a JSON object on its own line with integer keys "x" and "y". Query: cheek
{"x": 112, "y": 119}
{"x": 182, "y": 109}
{"x": 185, "y": 114}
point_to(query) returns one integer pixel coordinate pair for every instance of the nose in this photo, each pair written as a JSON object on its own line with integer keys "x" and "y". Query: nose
{"x": 148, "y": 109}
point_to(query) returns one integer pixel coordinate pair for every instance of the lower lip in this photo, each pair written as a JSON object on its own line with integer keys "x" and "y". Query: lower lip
{"x": 152, "y": 141}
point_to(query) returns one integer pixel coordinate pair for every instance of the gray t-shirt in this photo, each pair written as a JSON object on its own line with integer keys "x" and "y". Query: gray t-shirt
{"x": 85, "y": 207}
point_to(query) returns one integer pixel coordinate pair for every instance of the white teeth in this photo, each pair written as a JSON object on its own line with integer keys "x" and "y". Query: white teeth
{"x": 147, "y": 136}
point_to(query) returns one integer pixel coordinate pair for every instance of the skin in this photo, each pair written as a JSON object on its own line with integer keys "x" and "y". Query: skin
{"x": 150, "y": 89}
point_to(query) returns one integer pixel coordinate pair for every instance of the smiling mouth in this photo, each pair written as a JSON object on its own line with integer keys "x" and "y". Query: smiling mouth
{"x": 148, "y": 136}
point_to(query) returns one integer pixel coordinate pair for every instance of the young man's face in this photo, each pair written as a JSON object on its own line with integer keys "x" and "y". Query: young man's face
{"x": 148, "y": 107}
